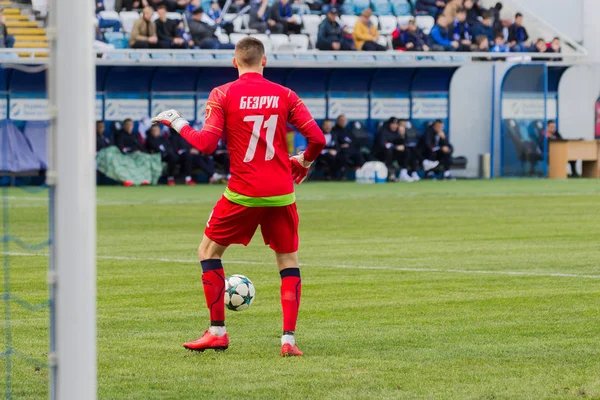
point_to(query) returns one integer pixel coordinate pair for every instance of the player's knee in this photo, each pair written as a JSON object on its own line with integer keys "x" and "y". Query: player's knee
{"x": 210, "y": 250}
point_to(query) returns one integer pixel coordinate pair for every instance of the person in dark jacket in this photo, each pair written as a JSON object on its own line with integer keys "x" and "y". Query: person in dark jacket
{"x": 517, "y": 34}
{"x": 102, "y": 141}
{"x": 434, "y": 145}
{"x": 329, "y": 157}
{"x": 203, "y": 35}
{"x": 440, "y": 38}
{"x": 281, "y": 13}
{"x": 461, "y": 31}
{"x": 157, "y": 143}
{"x": 221, "y": 157}
{"x": 259, "y": 18}
{"x": 409, "y": 38}
{"x": 474, "y": 12}
{"x": 331, "y": 34}
{"x": 127, "y": 141}
{"x": 555, "y": 47}
{"x": 390, "y": 147}
{"x": 553, "y": 135}
{"x": 350, "y": 154}
{"x": 167, "y": 31}
{"x": 431, "y": 7}
{"x": 484, "y": 28}
{"x": 190, "y": 158}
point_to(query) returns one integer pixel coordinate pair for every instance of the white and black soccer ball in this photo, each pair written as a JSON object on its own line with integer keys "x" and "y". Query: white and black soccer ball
{"x": 239, "y": 292}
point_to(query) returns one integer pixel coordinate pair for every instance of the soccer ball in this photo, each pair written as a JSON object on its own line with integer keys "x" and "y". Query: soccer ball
{"x": 239, "y": 292}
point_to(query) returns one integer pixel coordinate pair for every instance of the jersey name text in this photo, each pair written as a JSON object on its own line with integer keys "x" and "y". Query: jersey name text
{"x": 258, "y": 102}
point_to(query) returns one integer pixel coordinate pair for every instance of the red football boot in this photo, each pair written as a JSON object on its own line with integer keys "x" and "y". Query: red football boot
{"x": 208, "y": 341}
{"x": 287, "y": 350}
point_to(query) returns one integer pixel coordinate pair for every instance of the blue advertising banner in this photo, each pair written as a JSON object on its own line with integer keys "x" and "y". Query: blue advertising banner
{"x": 426, "y": 107}
{"x": 185, "y": 103}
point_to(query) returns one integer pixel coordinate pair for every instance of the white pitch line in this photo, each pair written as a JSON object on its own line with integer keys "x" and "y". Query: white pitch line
{"x": 365, "y": 267}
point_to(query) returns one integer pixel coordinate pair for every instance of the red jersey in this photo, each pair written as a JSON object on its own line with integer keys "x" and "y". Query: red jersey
{"x": 252, "y": 114}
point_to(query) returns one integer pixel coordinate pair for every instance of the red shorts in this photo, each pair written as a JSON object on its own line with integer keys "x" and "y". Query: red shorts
{"x": 231, "y": 223}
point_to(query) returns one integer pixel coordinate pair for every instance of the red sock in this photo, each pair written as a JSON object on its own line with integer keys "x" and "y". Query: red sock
{"x": 291, "y": 288}
{"x": 213, "y": 281}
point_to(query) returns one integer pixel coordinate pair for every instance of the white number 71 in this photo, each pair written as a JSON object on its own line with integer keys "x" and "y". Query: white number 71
{"x": 257, "y": 124}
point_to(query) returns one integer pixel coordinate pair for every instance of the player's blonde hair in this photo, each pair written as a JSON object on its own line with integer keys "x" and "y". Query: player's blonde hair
{"x": 249, "y": 52}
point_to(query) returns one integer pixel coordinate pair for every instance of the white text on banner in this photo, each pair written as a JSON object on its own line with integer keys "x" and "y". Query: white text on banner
{"x": 430, "y": 108}
{"x": 29, "y": 109}
{"x": 186, "y": 107}
{"x": 519, "y": 108}
{"x": 120, "y": 109}
{"x": 384, "y": 108}
{"x": 352, "y": 108}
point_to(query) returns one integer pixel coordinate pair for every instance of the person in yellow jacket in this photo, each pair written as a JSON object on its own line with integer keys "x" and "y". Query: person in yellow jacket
{"x": 365, "y": 34}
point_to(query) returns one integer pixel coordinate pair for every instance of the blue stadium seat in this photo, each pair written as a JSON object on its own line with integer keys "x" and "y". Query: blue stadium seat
{"x": 117, "y": 39}
{"x": 400, "y": 7}
{"x": 359, "y": 5}
{"x": 382, "y": 7}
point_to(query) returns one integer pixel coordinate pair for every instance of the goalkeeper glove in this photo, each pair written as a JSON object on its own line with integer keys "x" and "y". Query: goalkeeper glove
{"x": 300, "y": 168}
{"x": 170, "y": 118}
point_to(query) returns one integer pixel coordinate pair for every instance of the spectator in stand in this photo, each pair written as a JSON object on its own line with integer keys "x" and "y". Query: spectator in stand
{"x": 517, "y": 35}
{"x": 350, "y": 154}
{"x": 474, "y": 12}
{"x": 281, "y": 13}
{"x": 102, "y": 141}
{"x": 159, "y": 144}
{"x": 190, "y": 158}
{"x": 484, "y": 28}
{"x": 128, "y": 5}
{"x": 390, "y": 147}
{"x": 328, "y": 4}
{"x": 434, "y": 145}
{"x": 440, "y": 38}
{"x": 203, "y": 34}
{"x": 329, "y": 156}
{"x": 555, "y": 46}
{"x": 168, "y": 31}
{"x": 499, "y": 45}
{"x": 143, "y": 34}
{"x": 221, "y": 157}
{"x": 214, "y": 12}
{"x": 259, "y": 20}
{"x": 409, "y": 38}
{"x": 331, "y": 35}
{"x": 460, "y": 31}
{"x": 237, "y": 6}
{"x": 495, "y": 14}
{"x": 365, "y": 33}
{"x": 431, "y": 7}
{"x": 482, "y": 44}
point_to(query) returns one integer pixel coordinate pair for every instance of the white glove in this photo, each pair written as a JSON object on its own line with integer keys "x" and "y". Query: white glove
{"x": 170, "y": 118}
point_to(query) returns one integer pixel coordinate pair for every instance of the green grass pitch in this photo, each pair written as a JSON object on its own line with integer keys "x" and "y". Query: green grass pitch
{"x": 435, "y": 290}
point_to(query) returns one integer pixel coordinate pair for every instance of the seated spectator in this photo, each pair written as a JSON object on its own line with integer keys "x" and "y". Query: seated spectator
{"x": 365, "y": 33}
{"x": 431, "y": 7}
{"x": 281, "y": 13}
{"x": 190, "y": 158}
{"x": 129, "y": 5}
{"x": 390, "y": 147}
{"x": 214, "y": 12}
{"x": 440, "y": 38}
{"x": 482, "y": 44}
{"x": 474, "y": 12}
{"x": 460, "y": 30}
{"x": 553, "y": 135}
{"x": 499, "y": 45}
{"x": 329, "y": 157}
{"x": 484, "y": 28}
{"x": 495, "y": 14}
{"x": 331, "y": 35}
{"x": 409, "y": 38}
{"x": 168, "y": 31}
{"x": 555, "y": 46}
{"x": 259, "y": 20}
{"x": 102, "y": 141}
{"x": 203, "y": 35}
{"x": 350, "y": 154}
{"x": 156, "y": 143}
{"x": 433, "y": 145}
{"x": 517, "y": 35}
{"x": 143, "y": 34}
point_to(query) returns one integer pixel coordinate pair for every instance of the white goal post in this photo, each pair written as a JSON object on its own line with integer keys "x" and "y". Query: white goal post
{"x": 71, "y": 90}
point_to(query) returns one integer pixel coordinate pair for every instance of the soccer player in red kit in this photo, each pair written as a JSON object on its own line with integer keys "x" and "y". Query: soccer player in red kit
{"x": 252, "y": 114}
